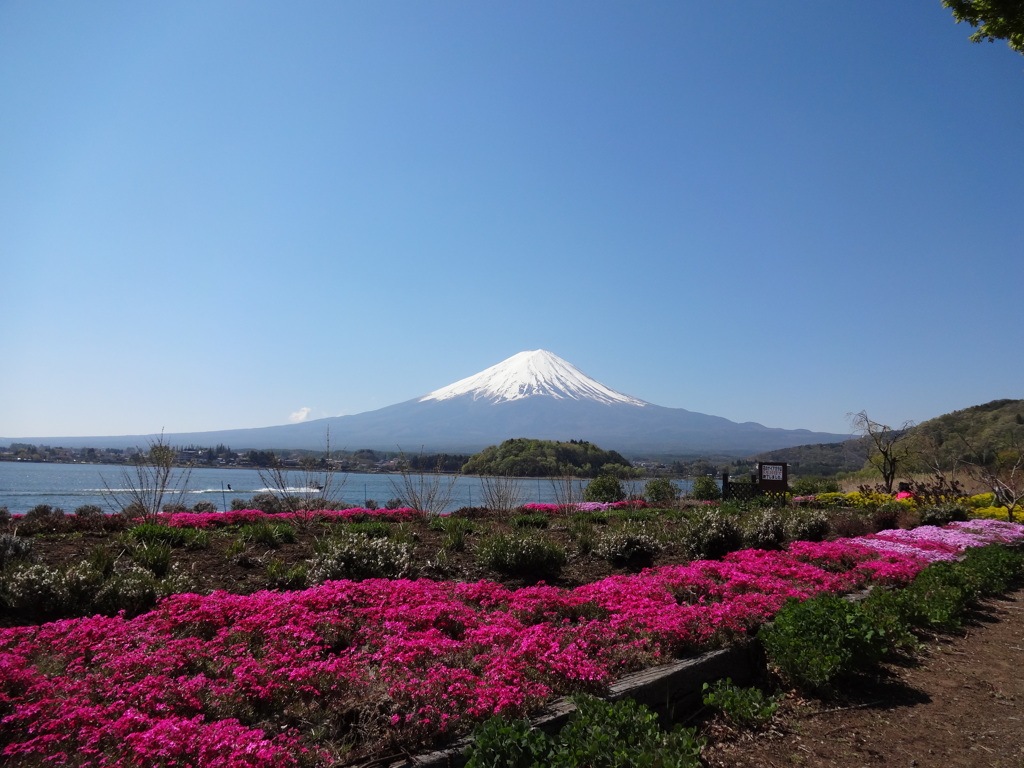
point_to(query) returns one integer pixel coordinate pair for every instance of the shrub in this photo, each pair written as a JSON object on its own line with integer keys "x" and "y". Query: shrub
{"x": 605, "y": 488}
{"x": 705, "y": 488}
{"x": 711, "y": 535}
{"x": 660, "y": 491}
{"x": 994, "y": 568}
{"x": 357, "y": 556}
{"x": 42, "y": 511}
{"x": 204, "y": 507}
{"x": 522, "y": 555}
{"x": 939, "y": 597}
{"x": 39, "y": 590}
{"x": 599, "y": 734}
{"x": 89, "y": 512}
{"x": 807, "y": 525}
{"x": 622, "y": 735}
{"x": 266, "y": 502}
{"x": 815, "y": 642}
{"x": 14, "y": 547}
{"x": 943, "y": 514}
{"x": 130, "y": 589}
{"x": 765, "y": 529}
{"x": 746, "y": 707}
{"x": 634, "y": 546}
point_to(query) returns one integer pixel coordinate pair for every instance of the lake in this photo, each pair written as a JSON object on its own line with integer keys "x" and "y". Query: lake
{"x": 23, "y": 485}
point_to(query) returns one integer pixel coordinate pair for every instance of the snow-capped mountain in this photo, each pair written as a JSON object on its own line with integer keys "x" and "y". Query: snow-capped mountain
{"x": 531, "y": 374}
{"x": 532, "y": 394}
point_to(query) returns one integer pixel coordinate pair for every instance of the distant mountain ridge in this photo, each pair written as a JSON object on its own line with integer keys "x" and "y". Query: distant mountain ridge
{"x": 532, "y": 394}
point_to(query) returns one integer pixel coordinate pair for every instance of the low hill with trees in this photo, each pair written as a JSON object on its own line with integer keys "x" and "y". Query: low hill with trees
{"x": 526, "y": 457}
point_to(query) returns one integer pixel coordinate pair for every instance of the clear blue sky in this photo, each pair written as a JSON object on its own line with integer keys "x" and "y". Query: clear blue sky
{"x": 214, "y": 215}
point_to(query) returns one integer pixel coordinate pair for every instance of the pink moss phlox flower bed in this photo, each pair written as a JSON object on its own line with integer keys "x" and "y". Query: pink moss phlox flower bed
{"x": 264, "y": 679}
{"x": 242, "y": 516}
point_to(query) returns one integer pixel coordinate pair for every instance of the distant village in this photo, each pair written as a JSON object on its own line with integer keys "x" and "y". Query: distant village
{"x": 365, "y": 460}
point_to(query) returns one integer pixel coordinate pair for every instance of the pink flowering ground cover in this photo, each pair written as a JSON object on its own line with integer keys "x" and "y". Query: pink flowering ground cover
{"x": 349, "y": 669}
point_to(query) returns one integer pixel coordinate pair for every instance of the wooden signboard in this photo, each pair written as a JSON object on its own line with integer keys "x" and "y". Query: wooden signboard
{"x": 772, "y": 477}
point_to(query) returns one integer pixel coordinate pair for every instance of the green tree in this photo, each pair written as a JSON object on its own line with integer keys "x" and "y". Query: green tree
{"x": 660, "y": 491}
{"x": 605, "y": 488}
{"x": 993, "y": 19}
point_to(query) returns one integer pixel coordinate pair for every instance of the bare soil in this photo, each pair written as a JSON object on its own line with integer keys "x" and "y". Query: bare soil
{"x": 960, "y": 704}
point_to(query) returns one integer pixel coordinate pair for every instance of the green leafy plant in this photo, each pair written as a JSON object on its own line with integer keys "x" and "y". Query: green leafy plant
{"x": 660, "y": 491}
{"x": 267, "y": 534}
{"x": 533, "y": 520}
{"x": 807, "y": 525}
{"x": 519, "y": 554}
{"x": 815, "y": 642}
{"x": 746, "y": 707}
{"x": 156, "y": 556}
{"x": 942, "y": 514}
{"x": 764, "y": 529}
{"x": 356, "y": 556}
{"x": 705, "y": 488}
{"x": 13, "y": 548}
{"x": 599, "y": 734}
{"x": 606, "y": 488}
{"x": 628, "y": 546}
{"x": 712, "y": 534}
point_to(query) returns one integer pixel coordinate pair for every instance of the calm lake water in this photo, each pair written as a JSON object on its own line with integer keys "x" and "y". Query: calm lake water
{"x": 68, "y": 486}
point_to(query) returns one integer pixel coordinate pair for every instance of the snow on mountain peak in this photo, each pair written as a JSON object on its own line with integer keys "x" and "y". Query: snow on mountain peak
{"x": 530, "y": 374}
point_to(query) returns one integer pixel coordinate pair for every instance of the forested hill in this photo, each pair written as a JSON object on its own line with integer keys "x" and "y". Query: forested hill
{"x": 825, "y": 459}
{"x": 970, "y": 434}
{"x": 525, "y": 457}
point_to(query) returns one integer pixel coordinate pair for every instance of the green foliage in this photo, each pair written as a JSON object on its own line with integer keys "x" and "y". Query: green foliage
{"x": 994, "y": 20}
{"x": 660, "y": 491}
{"x": 705, "y": 489}
{"x": 812, "y": 485}
{"x": 357, "y": 556}
{"x": 526, "y": 555}
{"x": 267, "y": 534}
{"x": 375, "y": 529}
{"x": 14, "y": 547}
{"x": 764, "y": 529}
{"x": 456, "y": 529}
{"x": 711, "y": 534}
{"x": 525, "y": 457}
{"x": 746, "y": 707}
{"x": 942, "y": 514}
{"x": 155, "y": 533}
{"x": 531, "y": 520}
{"x": 628, "y": 546}
{"x": 599, "y": 735}
{"x": 605, "y": 489}
{"x": 287, "y": 577}
{"x": 994, "y": 569}
{"x": 155, "y": 556}
{"x": 818, "y": 641}
{"x": 807, "y": 525}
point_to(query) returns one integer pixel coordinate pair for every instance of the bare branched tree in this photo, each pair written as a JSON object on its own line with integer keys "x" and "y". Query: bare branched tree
{"x": 427, "y": 492}
{"x": 309, "y": 485}
{"x": 150, "y": 482}
{"x": 502, "y": 493}
{"x": 891, "y": 448}
{"x": 567, "y": 488}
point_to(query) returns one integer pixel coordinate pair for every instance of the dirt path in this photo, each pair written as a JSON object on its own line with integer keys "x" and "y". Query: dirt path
{"x": 961, "y": 706}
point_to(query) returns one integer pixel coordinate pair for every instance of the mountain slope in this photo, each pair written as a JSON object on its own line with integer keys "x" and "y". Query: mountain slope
{"x": 532, "y": 394}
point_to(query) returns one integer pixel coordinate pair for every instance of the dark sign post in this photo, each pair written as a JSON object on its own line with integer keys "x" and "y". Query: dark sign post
{"x": 772, "y": 477}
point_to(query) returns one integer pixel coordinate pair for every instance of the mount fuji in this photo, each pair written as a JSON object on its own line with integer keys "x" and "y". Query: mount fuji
{"x": 531, "y": 394}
